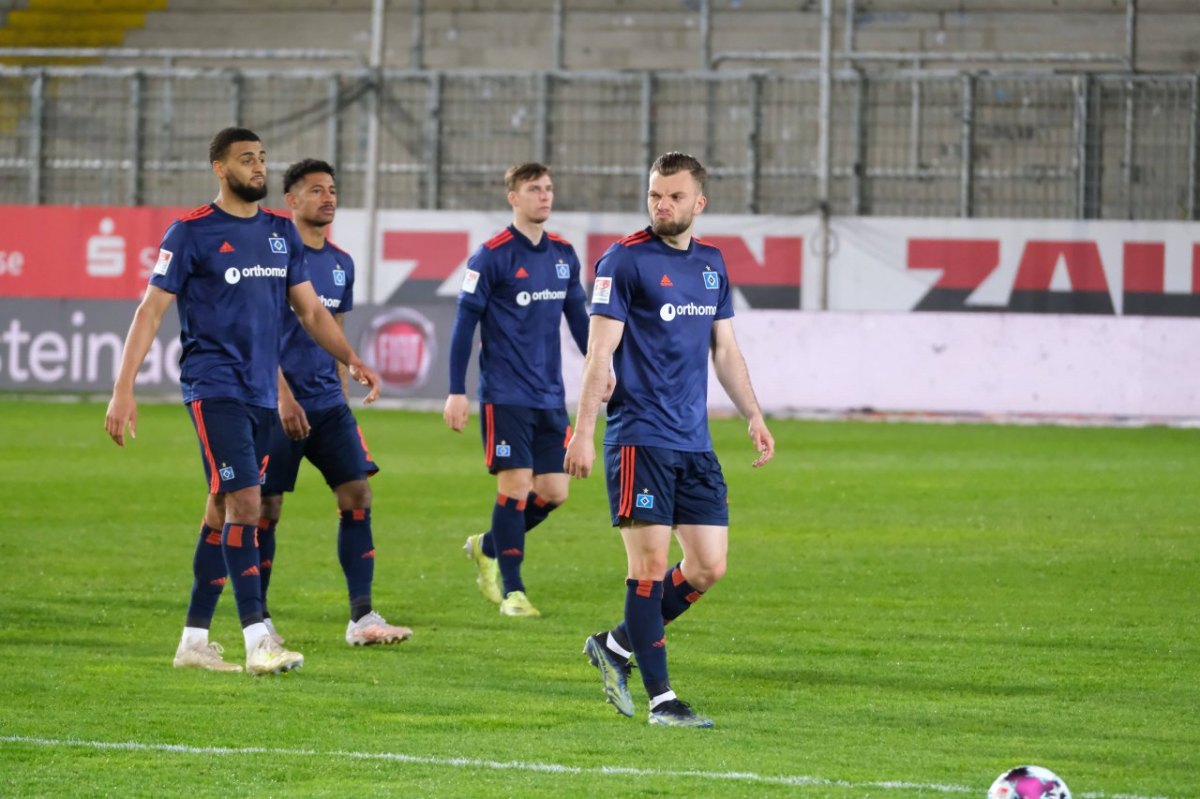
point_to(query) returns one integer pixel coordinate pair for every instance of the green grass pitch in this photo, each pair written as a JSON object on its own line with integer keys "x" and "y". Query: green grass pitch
{"x": 909, "y": 611}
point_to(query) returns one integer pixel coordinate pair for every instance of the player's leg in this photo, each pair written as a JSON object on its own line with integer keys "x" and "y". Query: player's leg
{"x": 272, "y": 511}
{"x": 551, "y": 485}
{"x": 508, "y": 535}
{"x": 283, "y": 465}
{"x": 337, "y": 448}
{"x": 235, "y": 438}
{"x": 508, "y": 436}
{"x": 208, "y": 580}
{"x": 702, "y": 527}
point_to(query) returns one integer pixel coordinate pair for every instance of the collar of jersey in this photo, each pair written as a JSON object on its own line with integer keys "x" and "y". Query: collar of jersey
{"x": 243, "y": 219}
{"x": 541, "y": 246}
{"x": 667, "y": 248}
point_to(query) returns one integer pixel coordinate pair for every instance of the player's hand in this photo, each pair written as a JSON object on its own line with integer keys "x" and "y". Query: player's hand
{"x": 122, "y": 411}
{"x": 581, "y": 454}
{"x": 294, "y": 419}
{"x": 456, "y": 412}
{"x": 609, "y": 385}
{"x": 764, "y": 442}
{"x": 365, "y": 375}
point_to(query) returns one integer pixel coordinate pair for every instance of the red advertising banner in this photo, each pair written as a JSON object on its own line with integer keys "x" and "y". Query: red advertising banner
{"x": 80, "y": 252}
{"x": 69, "y": 252}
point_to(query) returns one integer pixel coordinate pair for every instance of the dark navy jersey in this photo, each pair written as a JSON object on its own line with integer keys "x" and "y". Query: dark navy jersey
{"x": 310, "y": 370}
{"x": 522, "y": 292}
{"x": 668, "y": 300}
{"x": 230, "y": 278}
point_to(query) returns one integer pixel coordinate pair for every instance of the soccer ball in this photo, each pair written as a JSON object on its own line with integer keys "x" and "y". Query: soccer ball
{"x": 1029, "y": 782}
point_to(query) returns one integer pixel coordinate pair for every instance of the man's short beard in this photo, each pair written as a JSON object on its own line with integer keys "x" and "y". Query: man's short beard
{"x": 666, "y": 228}
{"x": 246, "y": 191}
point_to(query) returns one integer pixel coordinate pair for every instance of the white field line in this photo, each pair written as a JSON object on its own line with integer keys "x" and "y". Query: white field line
{"x": 517, "y": 765}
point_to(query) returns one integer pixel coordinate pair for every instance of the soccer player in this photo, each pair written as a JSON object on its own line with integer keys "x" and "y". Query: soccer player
{"x": 316, "y": 421}
{"x": 232, "y": 268}
{"x": 518, "y": 285}
{"x": 660, "y": 303}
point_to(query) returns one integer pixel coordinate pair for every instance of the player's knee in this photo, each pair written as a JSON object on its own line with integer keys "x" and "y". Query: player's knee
{"x": 272, "y": 507}
{"x": 353, "y": 495}
{"x": 243, "y": 506}
{"x": 707, "y": 575}
{"x": 554, "y": 496}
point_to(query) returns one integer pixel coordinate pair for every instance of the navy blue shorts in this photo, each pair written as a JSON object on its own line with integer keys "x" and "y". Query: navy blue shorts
{"x": 335, "y": 446}
{"x": 515, "y": 437}
{"x": 234, "y": 438}
{"x": 665, "y": 486}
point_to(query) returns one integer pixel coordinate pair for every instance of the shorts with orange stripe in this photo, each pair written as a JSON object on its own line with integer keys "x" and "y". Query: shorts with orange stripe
{"x": 335, "y": 446}
{"x": 665, "y": 486}
{"x": 234, "y": 438}
{"x": 516, "y": 437}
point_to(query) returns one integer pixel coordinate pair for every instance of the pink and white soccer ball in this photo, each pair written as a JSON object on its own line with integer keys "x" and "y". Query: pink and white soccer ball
{"x": 1029, "y": 782}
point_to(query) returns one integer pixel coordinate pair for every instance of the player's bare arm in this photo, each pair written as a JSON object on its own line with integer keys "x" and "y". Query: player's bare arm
{"x": 342, "y": 371}
{"x": 731, "y": 370}
{"x": 122, "y": 408}
{"x": 291, "y": 414}
{"x": 319, "y": 323}
{"x": 604, "y": 334}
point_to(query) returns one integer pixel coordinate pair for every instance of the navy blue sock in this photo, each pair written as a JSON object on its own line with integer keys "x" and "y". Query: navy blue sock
{"x": 678, "y": 594}
{"x": 508, "y": 530}
{"x": 266, "y": 557}
{"x": 536, "y": 510}
{"x": 239, "y": 545}
{"x": 488, "y": 544}
{"x": 208, "y": 571}
{"x": 356, "y": 552}
{"x": 643, "y": 619}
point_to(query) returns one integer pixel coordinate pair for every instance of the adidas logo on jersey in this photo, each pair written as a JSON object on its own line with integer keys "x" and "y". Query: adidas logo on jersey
{"x": 226, "y": 247}
{"x": 666, "y": 281}
{"x": 521, "y": 272}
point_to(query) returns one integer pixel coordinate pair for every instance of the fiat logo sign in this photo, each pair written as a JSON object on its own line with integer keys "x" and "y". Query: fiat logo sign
{"x": 400, "y": 346}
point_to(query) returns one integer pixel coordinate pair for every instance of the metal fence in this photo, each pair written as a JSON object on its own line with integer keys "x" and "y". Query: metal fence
{"x": 1004, "y": 144}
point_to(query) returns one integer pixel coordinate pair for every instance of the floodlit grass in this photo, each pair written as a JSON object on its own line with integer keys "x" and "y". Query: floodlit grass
{"x": 915, "y": 604}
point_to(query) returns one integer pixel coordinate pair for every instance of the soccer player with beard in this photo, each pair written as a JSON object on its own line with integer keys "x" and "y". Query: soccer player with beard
{"x": 518, "y": 285}
{"x": 316, "y": 420}
{"x": 661, "y": 302}
{"x": 232, "y": 269}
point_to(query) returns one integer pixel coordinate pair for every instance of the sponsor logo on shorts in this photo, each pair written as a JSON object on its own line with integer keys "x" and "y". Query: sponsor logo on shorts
{"x": 645, "y": 500}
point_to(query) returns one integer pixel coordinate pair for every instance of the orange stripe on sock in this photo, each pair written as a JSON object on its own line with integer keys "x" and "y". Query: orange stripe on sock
{"x": 693, "y": 597}
{"x": 538, "y": 501}
{"x": 359, "y": 514}
{"x": 213, "y": 538}
{"x": 645, "y": 588}
{"x": 264, "y": 523}
{"x": 676, "y": 576}
{"x": 235, "y": 535}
